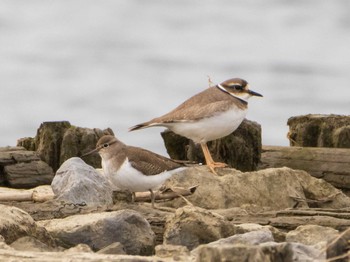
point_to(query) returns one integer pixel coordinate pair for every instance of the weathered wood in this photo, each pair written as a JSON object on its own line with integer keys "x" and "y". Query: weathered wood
{"x": 241, "y": 149}
{"x": 331, "y": 164}
{"x": 316, "y": 130}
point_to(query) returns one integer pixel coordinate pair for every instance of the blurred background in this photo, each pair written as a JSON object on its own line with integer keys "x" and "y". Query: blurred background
{"x": 115, "y": 63}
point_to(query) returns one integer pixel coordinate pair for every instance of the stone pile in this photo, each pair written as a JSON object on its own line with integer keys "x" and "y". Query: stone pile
{"x": 234, "y": 216}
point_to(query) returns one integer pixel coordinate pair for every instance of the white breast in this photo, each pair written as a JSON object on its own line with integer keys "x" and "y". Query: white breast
{"x": 210, "y": 128}
{"x": 129, "y": 178}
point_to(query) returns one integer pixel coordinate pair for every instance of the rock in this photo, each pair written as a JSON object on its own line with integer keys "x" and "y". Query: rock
{"x": 311, "y": 234}
{"x": 319, "y": 131}
{"x": 250, "y": 227}
{"x": 265, "y": 252}
{"x": 274, "y": 189}
{"x": 15, "y": 223}
{"x": 58, "y": 141}
{"x": 114, "y": 248}
{"x": 250, "y": 238}
{"x": 79, "y": 249}
{"x": 339, "y": 247}
{"x": 191, "y": 226}
{"x": 29, "y": 243}
{"x": 241, "y": 149}
{"x": 20, "y": 168}
{"x": 175, "y": 252}
{"x": 99, "y": 230}
{"x": 76, "y": 182}
{"x": 30, "y": 256}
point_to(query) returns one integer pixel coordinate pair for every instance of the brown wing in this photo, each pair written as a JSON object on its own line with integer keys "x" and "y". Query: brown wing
{"x": 199, "y": 106}
{"x": 150, "y": 163}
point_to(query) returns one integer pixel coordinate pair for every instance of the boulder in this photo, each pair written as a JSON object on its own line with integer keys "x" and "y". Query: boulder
{"x": 76, "y": 182}
{"x": 98, "y": 230}
{"x": 174, "y": 252}
{"x": 241, "y": 149}
{"x": 114, "y": 248}
{"x": 192, "y": 226}
{"x": 311, "y": 234}
{"x": 20, "y": 168}
{"x": 274, "y": 189}
{"x": 29, "y": 243}
{"x": 270, "y": 251}
{"x": 15, "y": 223}
{"x": 319, "y": 131}
{"x": 58, "y": 141}
{"x": 338, "y": 247}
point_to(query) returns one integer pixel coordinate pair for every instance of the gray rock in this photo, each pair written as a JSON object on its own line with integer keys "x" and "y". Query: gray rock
{"x": 339, "y": 247}
{"x": 241, "y": 149}
{"x": 15, "y": 223}
{"x": 249, "y": 238}
{"x": 80, "y": 248}
{"x": 311, "y": 234}
{"x": 319, "y": 131}
{"x": 99, "y": 230}
{"x": 175, "y": 252}
{"x": 278, "y": 236}
{"x": 78, "y": 183}
{"x": 114, "y": 248}
{"x": 282, "y": 252}
{"x": 192, "y": 226}
{"x": 275, "y": 189}
{"x": 28, "y": 243}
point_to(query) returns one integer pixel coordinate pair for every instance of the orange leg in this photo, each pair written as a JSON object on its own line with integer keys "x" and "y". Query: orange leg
{"x": 209, "y": 160}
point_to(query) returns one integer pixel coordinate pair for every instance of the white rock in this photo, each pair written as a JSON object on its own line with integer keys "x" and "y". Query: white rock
{"x": 78, "y": 183}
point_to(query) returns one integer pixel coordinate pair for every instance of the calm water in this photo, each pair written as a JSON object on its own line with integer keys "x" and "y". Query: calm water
{"x": 115, "y": 63}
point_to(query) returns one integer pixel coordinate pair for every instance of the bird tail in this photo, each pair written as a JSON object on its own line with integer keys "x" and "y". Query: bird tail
{"x": 137, "y": 127}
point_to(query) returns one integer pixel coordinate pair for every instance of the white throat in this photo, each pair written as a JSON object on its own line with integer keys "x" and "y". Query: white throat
{"x": 244, "y": 98}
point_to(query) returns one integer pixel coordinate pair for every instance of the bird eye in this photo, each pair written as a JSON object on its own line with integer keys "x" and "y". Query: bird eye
{"x": 237, "y": 87}
{"x": 105, "y": 145}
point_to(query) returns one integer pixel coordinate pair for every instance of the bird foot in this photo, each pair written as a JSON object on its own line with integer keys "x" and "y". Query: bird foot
{"x": 216, "y": 165}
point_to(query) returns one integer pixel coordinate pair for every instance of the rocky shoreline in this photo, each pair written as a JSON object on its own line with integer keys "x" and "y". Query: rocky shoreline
{"x": 270, "y": 211}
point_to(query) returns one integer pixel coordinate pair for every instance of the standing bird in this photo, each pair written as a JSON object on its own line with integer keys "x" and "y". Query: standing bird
{"x": 211, "y": 114}
{"x": 134, "y": 168}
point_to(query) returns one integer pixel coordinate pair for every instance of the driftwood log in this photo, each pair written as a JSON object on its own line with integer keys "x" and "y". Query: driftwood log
{"x": 44, "y": 193}
{"x": 330, "y": 164}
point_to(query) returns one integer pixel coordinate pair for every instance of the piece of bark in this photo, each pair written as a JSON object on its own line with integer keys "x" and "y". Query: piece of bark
{"x": 330, "y": 164}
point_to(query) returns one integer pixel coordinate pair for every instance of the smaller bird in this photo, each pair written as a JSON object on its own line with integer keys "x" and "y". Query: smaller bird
{"x": 211, "y": 114}
{"x": 134, "y": 168}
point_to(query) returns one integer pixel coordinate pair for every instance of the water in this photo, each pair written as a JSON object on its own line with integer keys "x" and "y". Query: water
{"x": 115, "y": 63}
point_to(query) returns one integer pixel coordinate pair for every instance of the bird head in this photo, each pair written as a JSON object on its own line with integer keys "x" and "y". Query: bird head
{"x": 103, "y": 144}
{"x": 238, "y": 88}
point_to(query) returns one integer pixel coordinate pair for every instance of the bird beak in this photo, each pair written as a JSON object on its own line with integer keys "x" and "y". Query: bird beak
{"x": 91, "y": 152}
{"x": 252, "y": 93}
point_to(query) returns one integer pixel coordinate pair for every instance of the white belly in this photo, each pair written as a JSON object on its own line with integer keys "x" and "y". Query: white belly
{"x": 210, "y": 128}
{"x": 129, "y": 178}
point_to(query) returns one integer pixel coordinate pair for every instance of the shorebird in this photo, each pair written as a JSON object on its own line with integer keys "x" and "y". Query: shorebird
{"x": 133, "y": 168}
{"x": 211, "y": 114}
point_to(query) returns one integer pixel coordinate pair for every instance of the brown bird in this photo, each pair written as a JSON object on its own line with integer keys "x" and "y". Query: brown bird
{"x": 133, "y": 168}
{"x": 211, "y": 114}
